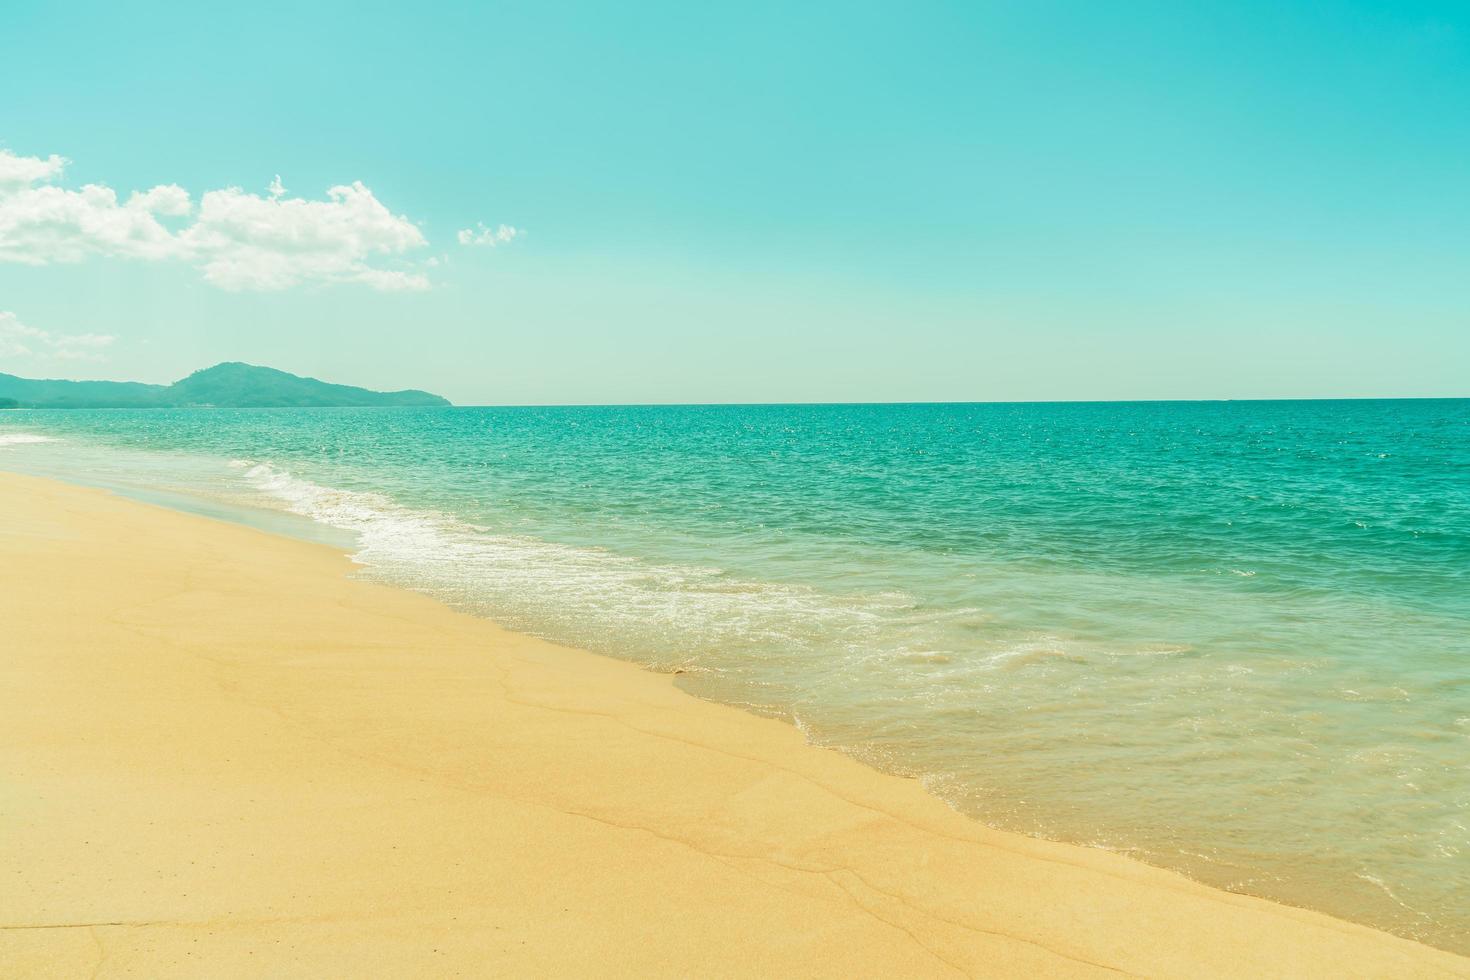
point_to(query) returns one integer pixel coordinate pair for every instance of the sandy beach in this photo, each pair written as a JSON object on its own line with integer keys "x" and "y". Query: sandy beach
{"x": 223, "y": 756}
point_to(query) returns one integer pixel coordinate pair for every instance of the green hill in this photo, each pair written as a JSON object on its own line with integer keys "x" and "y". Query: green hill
{"x": 229, "y": 385}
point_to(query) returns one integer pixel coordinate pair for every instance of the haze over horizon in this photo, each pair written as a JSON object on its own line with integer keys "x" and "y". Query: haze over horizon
{"x": 843, "y": 203}
{"x": 396, "y": 387}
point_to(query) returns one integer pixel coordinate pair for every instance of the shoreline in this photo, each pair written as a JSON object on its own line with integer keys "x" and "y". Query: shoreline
{"x": 276, "y": 768}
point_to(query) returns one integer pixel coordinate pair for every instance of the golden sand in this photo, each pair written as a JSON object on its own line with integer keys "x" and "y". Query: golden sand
{"x": 220, "y": 755}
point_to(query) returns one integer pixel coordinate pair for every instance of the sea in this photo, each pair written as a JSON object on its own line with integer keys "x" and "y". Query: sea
{"x": 1227, "y": 638}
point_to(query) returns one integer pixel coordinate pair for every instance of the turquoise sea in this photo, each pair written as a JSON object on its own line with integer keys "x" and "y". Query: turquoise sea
{"x": 1228, "y": 638}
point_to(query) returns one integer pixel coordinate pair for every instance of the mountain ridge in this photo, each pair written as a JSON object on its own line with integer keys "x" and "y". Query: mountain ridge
{"x": 229, "y": 384}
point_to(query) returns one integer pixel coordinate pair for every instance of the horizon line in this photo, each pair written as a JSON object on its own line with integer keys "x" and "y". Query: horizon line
{"x": 756, "y": 404}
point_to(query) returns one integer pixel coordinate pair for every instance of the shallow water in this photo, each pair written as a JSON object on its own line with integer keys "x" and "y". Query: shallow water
{"x": 1228, "y": 638}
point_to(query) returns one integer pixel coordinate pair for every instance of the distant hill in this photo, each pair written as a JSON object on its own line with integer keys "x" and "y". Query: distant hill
{"x": 79, "y": 394}
{"x": 236, "y": 385}
{"x": 229, "y": 385}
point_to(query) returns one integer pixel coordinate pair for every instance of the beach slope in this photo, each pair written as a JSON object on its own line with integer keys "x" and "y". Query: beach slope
{"x": 220, "y": 755}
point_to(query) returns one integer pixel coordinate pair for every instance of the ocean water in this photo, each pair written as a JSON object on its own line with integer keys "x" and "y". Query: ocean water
{"x": 1231, "y": 639}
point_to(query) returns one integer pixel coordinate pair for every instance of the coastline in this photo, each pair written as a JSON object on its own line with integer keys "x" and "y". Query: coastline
{"x": 222, "y": 753}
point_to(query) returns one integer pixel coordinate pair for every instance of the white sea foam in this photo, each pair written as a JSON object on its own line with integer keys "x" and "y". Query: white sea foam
{"x": 22, "y": 438}
{"x": 668, "y": 613}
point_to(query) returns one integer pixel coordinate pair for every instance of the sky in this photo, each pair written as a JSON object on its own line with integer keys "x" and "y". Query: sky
{"x": 544, "y": 203}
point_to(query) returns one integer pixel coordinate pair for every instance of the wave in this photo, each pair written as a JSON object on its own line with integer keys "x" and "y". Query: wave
{"x": 22, "y": 438}
{"x": 666, "y": 615}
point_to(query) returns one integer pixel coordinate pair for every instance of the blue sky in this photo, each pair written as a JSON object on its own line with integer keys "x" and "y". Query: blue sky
{"x": 745, "y": 202}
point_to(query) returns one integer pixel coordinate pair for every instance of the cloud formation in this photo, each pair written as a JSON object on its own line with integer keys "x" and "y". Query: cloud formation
{"x": 19, "y": 340}
{"x": 501, "y": 235}
{"x": 244, "y": 241}
{"x": 16, "y": 170}
{"x": 236, "y": 239}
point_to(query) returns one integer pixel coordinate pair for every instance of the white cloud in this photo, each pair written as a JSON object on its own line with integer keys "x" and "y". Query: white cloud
{"x": 236, "y": 239}
{"x": 244, "y": 241}
{"x": 19, "y": 340}
{"x": 169, "y": 199}
{"x": 40, "y": 225}
{"x": 501, "y": 235}
{"x": 28, "y": 170}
